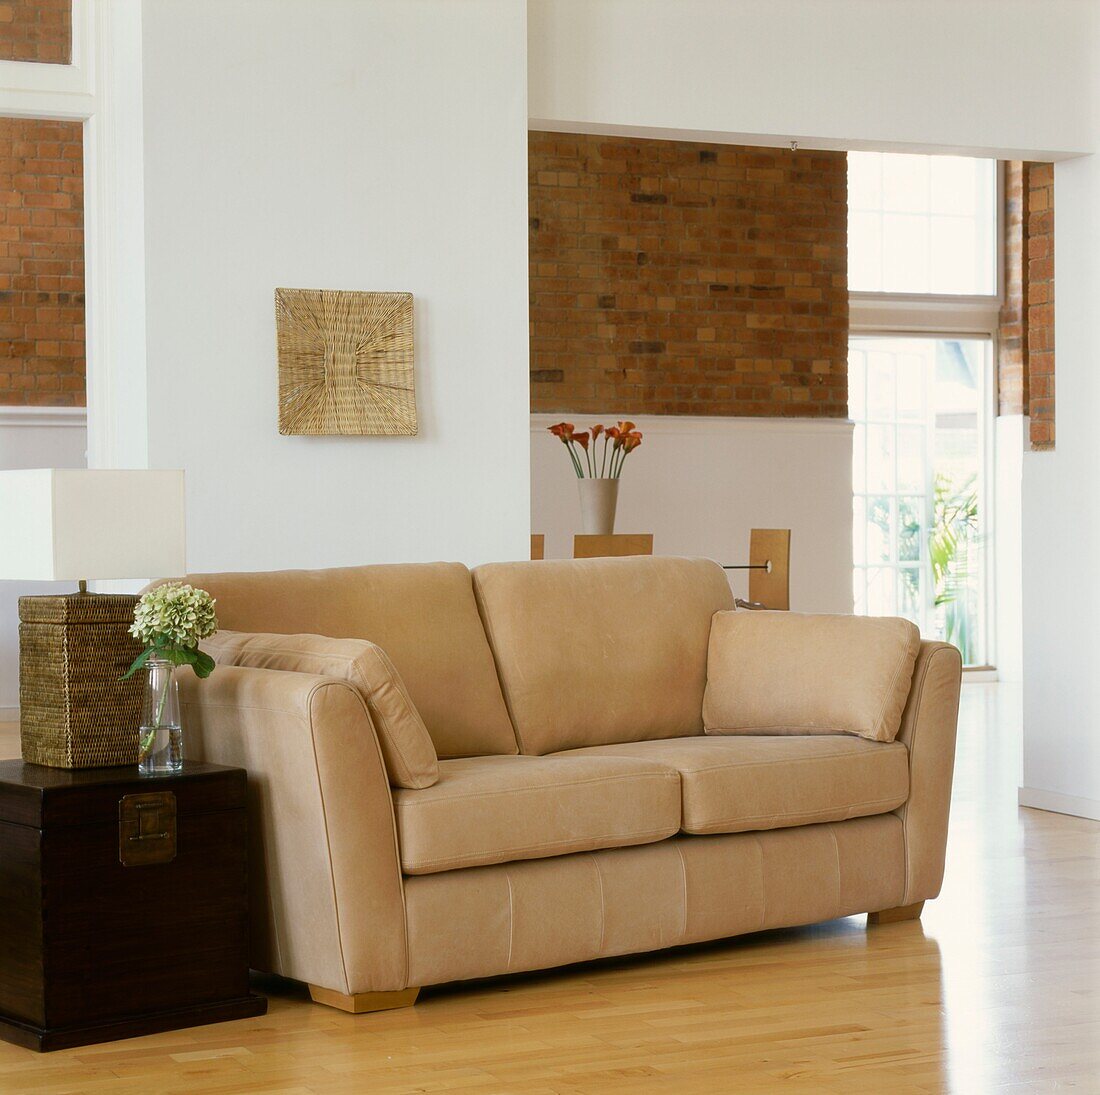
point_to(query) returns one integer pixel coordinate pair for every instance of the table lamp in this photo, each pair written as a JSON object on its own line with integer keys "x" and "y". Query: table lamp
{"x": 68, "y": 524}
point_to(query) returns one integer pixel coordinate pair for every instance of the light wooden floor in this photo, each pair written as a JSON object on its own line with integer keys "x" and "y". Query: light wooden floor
{"x": 998, "y": 990}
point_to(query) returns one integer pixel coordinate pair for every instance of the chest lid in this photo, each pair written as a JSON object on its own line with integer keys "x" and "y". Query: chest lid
{"x": 56, "y": 798}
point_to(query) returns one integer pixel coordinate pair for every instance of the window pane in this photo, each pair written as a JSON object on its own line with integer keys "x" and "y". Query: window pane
{"x": 859, "y": 458}
{"x": 911, "y": 372}
{"x": 910, "y": 529}
{"x": 910, "y": 600}
{"x": 922, "y": 224}
{"x": 953, "y": 252}
{"x": 953, "y": 185}
{"x": 881, "y": 592}
{"x": 917, "y": 533}
{"x": 881, "y": 375}
{"x": 878, "y": 530}
{"x": 905, "y": 183}
{"x": 859, "y": 591}
{"x": 911, "y": 459}
{"x": 859, "y": 531}
{"x": 904, "y": 253}
{"x": 880, "y": 458}
{"x": 864, "y": 249}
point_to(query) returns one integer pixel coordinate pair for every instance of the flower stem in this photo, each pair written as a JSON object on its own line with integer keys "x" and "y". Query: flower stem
{"x": 164, "y": 697}
{"x": 573, "y": 457}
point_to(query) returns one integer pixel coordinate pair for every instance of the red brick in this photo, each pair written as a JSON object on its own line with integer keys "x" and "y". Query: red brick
{"x": 681, "y": 278}
{"x": 42, "y": 272}
{"x": 36, "y": 30}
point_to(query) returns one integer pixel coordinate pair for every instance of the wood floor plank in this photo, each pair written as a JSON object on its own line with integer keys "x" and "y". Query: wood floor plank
{"x": 996, "y": 989}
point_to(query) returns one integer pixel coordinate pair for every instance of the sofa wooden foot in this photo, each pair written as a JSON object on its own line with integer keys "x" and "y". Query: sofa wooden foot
{"x": 359, "y": 1002}
{"x": 892, "y": 916}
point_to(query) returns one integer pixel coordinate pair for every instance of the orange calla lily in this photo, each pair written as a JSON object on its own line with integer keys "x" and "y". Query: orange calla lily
{"x": 624, "y": 440}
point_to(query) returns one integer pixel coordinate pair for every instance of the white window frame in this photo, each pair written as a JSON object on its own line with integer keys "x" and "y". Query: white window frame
{"x": 101, "y": 87}
{"x": 951, "y": 316}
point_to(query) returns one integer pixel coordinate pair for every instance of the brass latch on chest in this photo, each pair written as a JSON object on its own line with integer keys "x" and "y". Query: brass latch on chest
{"x": 147, "y": 829}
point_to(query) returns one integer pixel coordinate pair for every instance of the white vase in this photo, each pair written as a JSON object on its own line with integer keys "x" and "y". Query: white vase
{"x": 598, "y": 500}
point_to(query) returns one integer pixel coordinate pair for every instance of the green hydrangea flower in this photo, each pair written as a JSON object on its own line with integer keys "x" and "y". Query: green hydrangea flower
{"x": 171, "y": 620}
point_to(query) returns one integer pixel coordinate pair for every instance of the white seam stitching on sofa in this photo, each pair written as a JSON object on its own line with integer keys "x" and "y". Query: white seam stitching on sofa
{"x": 763, "y": 882}
{"x": 912, "y": 753}
{"x": 439, "y": 797}
{"x": 659, "y": 834}
{"x": 836, "y": 853}
{"x": 684, "y": 880}
{"x": 805, "y": 813}
{"x": 511, "y": 918}
{"x": 894, "y": 679}
{"x": 487, "y": 627}
{"x": 603, "y": 904}
{"x": 328, "y": 843}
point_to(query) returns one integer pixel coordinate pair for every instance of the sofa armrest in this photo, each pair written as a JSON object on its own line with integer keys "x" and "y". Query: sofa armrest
{"x": 928, "y": 728}
{"x": 325, "y": 877}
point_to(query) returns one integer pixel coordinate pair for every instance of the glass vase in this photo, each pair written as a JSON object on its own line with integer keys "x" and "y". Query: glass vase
{"x": 160, "y": 739}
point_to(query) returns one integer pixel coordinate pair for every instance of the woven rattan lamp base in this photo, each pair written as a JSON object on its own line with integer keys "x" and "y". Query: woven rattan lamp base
{"x": 74, "y": 712}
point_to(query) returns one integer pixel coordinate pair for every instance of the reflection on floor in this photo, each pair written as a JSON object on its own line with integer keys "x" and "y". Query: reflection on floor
{"x": 997, "y": 990}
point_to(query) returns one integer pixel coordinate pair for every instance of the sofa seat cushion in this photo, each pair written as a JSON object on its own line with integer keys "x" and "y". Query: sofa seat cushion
{"x": 498, "y": 809}
{"x": 738, "y": 784}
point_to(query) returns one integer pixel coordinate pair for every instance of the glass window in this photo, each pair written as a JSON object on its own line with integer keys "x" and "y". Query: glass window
{"x": 917, "y": 482}
{"x": 922, "y": 224}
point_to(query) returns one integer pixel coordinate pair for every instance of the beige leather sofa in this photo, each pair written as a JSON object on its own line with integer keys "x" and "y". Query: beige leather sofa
{"x": 562, "y": 761}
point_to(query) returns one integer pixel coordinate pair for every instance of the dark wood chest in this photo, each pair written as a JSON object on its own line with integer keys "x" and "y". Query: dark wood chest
{"x": 123, "y": 902}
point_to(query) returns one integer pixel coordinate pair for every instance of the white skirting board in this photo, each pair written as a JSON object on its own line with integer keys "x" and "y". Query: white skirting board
{"x": 1058, "y": 803}
{"x": 9, "y": 714}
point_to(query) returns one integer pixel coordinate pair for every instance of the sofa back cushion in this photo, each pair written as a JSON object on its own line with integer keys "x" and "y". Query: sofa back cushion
{"x": 407, "y": 748}
{"x": 597, "y": 651}
{"x": 423, "y": 615}
{"x": 789, "y": 673}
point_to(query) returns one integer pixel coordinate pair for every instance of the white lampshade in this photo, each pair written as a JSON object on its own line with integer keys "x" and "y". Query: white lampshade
{"x": 67, "y": 524}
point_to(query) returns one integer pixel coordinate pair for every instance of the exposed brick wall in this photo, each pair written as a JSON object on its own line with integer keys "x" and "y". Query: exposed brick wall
{"x": 1025, "y": 363}
{"x": 670, "y": 277}
{"x": 41, "y": 262}
{"x": 1040, "y": 303}
{"x": 1012, "y": 375}
{"x": 36, "y": 30}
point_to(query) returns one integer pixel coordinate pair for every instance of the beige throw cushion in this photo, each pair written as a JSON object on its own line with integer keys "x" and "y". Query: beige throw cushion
{"x": 406, "y": 746}
{"x": 788, "y": 673}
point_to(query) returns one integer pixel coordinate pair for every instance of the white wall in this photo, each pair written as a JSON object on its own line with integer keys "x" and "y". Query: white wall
{"x": 1061, "y": 522}
{"x": 32, "y": 437}
{"x": 832, "y": 73}
{"x": 344, "y": 145}
{"x": 1010, "y": 443}
{"x": 701, "y": 484}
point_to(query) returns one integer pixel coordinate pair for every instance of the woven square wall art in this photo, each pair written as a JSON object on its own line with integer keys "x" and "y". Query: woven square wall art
{"x": 345, "y": 362}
